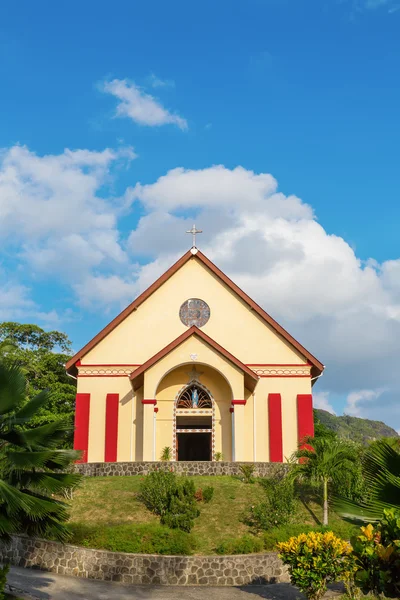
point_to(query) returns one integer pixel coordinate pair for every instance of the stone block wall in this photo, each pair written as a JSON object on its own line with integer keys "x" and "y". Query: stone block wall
{"x": 249, "y": 569}
{"x": 261, "y": 469}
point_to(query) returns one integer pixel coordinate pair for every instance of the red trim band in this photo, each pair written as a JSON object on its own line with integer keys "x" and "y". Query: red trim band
{"x": 149, "y": 401}
{"x": 110, "y": 449}
{"x": 81, "y": 434}
{"x": 277, "y": 365}
{"x": 275, "y": 428}
{"x": 110, "y": 365}
{"x": 242, "y": 402}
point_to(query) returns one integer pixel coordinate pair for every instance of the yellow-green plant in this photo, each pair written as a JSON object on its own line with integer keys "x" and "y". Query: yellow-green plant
{"x": 316, "y": 559}
{"x": 166, "y": 453}
{"x": 377, "y": 551}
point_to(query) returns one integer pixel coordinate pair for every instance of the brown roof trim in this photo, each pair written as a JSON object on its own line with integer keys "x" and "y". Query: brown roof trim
{"x": 264, "y": 315}
{"x": 137, "y": 374}
{"x": 318, "y": 366}
{"x": 128, "y": 310}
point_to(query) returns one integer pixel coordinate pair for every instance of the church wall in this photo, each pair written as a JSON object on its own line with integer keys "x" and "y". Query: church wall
{"x": 248, "y": 428}
{"x": 156, "y": 323}
{"x": 288, "y": 388}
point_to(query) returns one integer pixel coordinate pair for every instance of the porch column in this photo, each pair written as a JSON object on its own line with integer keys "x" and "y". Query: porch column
{"x": 148, "y": 429}
{"x": 238, "y": 429}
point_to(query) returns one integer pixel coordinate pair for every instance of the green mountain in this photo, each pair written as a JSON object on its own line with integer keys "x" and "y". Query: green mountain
{"x": 354, "y": 428}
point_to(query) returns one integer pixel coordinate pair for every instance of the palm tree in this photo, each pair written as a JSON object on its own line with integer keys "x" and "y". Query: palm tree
{"x": 381, "y": 471}
{"x": 32, "y": 468}
{"x": 320, "y": 461}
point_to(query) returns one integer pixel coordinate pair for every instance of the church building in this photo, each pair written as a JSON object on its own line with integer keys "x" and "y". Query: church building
{"x": 195, "y": 365}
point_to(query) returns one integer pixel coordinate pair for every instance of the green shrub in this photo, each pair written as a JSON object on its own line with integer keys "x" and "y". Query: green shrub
{"x": 208, "y": 494}
{"x": 218, "y": 456}
{"x": 247, "y": 473}
{"x": 3, "y": 580}
{"x": 146, "y": 538}
{"x": 278, "y": 507}
{"x": 377, "y": 550}
{"x": 316, "y": 559}
{"x": 170, "y": 497}
{"x": 166, "y": 453}
{"x": 246, "y": 544}
{"x": 156, "y": 489}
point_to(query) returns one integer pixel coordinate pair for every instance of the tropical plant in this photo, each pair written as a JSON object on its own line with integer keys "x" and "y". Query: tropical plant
{"x": 381, "y": 471}
{"x": 173, "y": 499}
{"x": 3, "y": 580}
{"x": 247, "y": 471}
{"x": 278, "y": 507}
{"x": 218, "y": 456}
{"x": 321, "y": 461}
{"x": 41, "y": 356}
{"x": 377, "y": 550}
{"x": 316, "y": 559}
{"x": 32, "y": 468}
{"x": 166, "y": 453}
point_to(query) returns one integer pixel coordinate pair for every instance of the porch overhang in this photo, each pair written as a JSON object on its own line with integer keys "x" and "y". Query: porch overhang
{"x": 250, "y": 378}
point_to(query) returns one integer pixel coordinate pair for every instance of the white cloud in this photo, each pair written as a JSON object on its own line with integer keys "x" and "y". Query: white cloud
{"x": 157, "y": 82}
{"x": 321, "y": 400}
{"x": 357, "y": 399}
{"x": 139, "y": 106}
{"x": 56, "y": 217}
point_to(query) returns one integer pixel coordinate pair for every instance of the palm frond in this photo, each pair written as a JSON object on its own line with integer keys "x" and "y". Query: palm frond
{"x": 381, "y": 469}
{"x": 25, "y": 413}
{"x": 12, "y": 387}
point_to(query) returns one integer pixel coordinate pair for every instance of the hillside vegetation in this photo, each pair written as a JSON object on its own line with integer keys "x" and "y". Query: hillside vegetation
{"x": 354, "y": 428}
{"x": 106, "y": 513}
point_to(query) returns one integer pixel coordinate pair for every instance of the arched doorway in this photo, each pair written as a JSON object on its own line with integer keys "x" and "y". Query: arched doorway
{"x": 194, "y": 417}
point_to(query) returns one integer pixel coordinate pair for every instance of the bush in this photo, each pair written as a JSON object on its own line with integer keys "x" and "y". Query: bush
{"x": 218, "y": 456}
{"x": 247, "y": 473}
{"x": 173, "y": 499}
{"x": 315, "y": 560}
{"x": 156, "y": 489}
{"x": 246, "y": 544}
{"x": 279, "y": 506}
{"x": 166, "y": 453}
{"x": 208, "y": 494}
{"x": 377, "y": 551}
{"x": 146, "y": 538}
{"x": 3, "y": 580}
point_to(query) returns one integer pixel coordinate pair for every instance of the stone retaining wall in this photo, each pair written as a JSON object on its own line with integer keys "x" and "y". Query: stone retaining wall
{"x": 261, "y": 469}
{"x": 249, "y": 569}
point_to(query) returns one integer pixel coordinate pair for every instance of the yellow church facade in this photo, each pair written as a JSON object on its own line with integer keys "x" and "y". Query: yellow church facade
{"x": 195, "y": 365}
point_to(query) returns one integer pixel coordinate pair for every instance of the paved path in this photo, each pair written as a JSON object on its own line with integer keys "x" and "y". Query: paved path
{"x": 47, "y": 586}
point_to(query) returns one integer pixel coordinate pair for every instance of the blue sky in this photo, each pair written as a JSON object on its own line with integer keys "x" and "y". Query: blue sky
{"x": 298, "y": 100}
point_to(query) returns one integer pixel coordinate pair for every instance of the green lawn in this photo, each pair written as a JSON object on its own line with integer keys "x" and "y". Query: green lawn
{"x": 106, "y": 513}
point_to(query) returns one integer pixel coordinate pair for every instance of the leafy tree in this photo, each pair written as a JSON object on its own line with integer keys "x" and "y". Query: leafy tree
{"x": 42, "y": 356}
{"x": 381, "y": 471}
{"x": 32, "y": 469}
{"x": 321, "y": 461}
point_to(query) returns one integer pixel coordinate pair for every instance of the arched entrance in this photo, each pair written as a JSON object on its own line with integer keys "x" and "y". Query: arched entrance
{"x": 193, "y": 415}
{"x": 194, "y": 423}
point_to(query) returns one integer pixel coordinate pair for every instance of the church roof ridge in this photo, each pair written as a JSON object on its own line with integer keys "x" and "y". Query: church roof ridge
{"x": 318, "y": 366}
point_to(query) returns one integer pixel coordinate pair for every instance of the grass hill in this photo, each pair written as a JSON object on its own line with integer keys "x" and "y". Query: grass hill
{"x": 354, "y": 428}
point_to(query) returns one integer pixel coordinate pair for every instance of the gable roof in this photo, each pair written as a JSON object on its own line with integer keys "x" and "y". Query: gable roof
{"x": 137, "y": 375}
{"x": 195, "y": 254}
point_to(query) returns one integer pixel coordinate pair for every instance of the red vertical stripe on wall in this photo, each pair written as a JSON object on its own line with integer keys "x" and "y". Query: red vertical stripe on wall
{"x": 110, "y": 450}
{"x": 81, "y": 434}
{"x": 305, "y": 416}
{"x": 275, "y": 428}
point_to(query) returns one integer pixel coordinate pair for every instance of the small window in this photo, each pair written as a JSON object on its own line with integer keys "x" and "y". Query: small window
{"x": 194, "y": 397}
